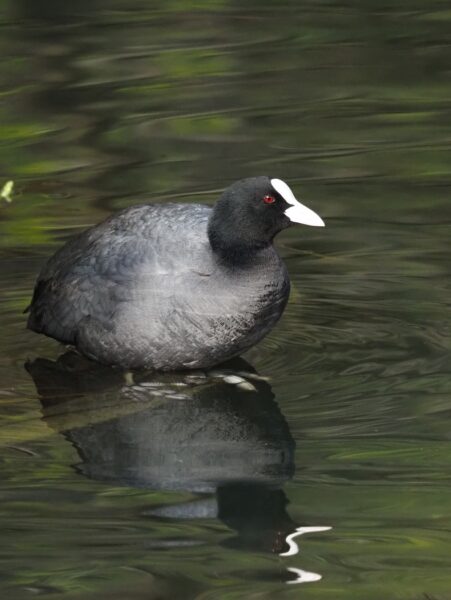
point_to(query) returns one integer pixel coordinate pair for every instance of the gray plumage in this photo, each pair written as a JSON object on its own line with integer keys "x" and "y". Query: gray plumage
{"x": 160, "y": 286}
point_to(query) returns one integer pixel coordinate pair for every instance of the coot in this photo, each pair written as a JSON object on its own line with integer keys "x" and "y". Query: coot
{"x": 172, "y": 286}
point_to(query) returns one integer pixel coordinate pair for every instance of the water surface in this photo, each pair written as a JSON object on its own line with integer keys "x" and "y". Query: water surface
{"x": 195, "y": 488}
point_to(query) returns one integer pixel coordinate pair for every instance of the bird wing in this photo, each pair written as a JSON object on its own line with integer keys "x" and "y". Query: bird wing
{"x": 94, "y": 274}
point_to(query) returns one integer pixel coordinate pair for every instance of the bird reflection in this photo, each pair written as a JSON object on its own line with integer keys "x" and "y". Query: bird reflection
{"x": 219, "y": 435}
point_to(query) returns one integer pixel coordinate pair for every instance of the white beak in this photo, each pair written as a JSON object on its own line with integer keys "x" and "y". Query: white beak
{"x": 297, "y": 213}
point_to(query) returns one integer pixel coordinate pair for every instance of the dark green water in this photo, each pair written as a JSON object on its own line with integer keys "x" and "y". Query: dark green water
{"x": 153, "y": 489}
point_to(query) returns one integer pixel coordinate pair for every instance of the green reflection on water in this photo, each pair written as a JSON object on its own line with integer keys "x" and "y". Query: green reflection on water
{"x": 108, "y": 104}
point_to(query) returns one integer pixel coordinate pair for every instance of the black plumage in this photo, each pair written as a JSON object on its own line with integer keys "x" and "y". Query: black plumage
{"x": 170, "y": 286}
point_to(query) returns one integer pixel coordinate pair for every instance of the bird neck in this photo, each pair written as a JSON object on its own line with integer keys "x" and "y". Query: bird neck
{"x": 234, "y": 243}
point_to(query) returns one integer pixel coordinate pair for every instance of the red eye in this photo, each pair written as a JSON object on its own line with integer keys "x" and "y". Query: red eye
{"x": 269, "y": 199}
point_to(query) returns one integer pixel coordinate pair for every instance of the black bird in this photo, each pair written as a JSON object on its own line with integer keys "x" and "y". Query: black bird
{"x": 173, "y": 286}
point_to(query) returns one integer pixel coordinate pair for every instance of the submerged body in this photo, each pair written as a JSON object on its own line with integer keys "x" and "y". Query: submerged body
{"x": 162, "y": 287}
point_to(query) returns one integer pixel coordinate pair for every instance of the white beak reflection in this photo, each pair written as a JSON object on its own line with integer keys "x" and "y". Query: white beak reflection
{"x": 293, "y": 549}
{"x": 303, "y": 576}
